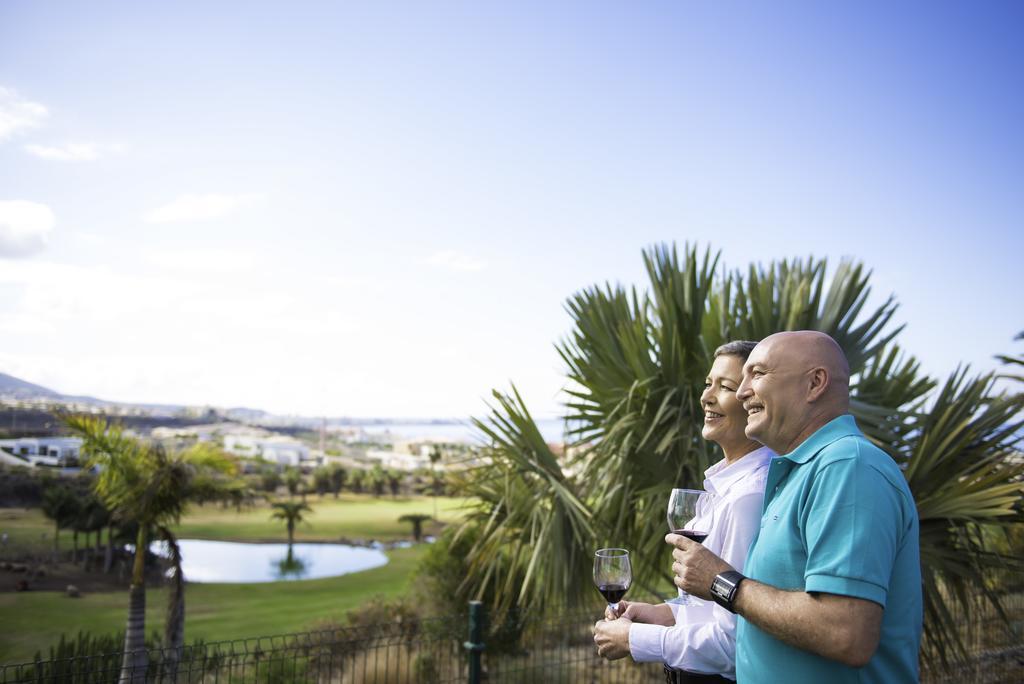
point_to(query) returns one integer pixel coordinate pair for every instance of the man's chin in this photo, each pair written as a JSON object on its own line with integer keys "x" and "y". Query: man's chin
{"x": 752, "y": 431}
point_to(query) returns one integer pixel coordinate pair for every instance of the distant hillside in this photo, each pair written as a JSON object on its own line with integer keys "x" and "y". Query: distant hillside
{"x": 15, "y": 388}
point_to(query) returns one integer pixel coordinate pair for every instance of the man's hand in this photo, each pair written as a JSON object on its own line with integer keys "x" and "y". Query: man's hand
{"x": 647, "y": 613}
{"x": 695, "y": 566}
{"x": 612, "y": 638}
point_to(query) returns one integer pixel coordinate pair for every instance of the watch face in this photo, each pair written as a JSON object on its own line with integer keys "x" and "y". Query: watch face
{"x": 720, "y": 587}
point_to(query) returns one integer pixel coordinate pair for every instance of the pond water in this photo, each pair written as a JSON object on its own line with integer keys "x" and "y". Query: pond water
{"x": 231, "y": 562}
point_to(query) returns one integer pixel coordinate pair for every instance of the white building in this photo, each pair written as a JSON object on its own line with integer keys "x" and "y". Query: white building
{"x": 277, "y": 449}
{"x": 398, "y": 460}
{"x": 50, "y": 451}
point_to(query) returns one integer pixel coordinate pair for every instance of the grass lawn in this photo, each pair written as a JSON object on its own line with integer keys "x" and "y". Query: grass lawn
{"x": 216, "y": 612}
{"x": 352, "y": 516}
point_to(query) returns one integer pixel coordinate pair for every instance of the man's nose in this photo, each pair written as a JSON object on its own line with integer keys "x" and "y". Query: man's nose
{"x": 744, "y": 391}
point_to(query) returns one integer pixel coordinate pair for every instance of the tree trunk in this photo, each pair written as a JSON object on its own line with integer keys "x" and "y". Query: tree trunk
{"x": 74, "y": 546}
{"x": 291, "y": 532}
{"x": 56, "y": 541}
{"x": 108, "y": 559}
{"x": 174, "y": 625}
{"x": 134, "y": 664}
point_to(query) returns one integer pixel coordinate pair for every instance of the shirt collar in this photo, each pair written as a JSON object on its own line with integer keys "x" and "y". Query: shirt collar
{"x": 837, "y": 428}
{"x": 721, "y": 476}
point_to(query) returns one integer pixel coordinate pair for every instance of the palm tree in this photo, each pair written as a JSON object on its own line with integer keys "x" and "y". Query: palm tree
{"x": 338, "y": 475}
{"x": 291, "y": 512}
{"x": 417, "y": 520}
{"x": 435, "y": 456}
{"x": 635, "y": 365}
{"x": 377, "y": 480}
{"x": 143, "y": 484}
{"x": 61, "y": 506}
{"x": 293, "y": 480}
{"x": 1016, "y": 361}
{"x": 394, "y": 479}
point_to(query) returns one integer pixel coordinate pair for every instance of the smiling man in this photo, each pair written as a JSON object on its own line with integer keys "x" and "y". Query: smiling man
{"x": 833, "y": 585}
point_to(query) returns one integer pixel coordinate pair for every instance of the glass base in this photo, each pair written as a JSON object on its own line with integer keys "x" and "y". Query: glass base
{"x": 682, "y": 600}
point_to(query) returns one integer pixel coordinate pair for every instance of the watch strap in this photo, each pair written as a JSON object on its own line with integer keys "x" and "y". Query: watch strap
{"x": 732, "y": 579}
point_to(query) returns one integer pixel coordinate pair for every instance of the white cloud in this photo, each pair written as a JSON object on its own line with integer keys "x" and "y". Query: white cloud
{"x": 455, "y": 261}
{"x": 18, "y": 114}
{"x": 87, "y": 151}
{"x": 193, "y": 207}
{"x": 213, "y": 260}
{"x": 24, "y": 227}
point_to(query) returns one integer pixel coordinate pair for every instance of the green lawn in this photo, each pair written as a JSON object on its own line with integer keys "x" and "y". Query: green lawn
{"x": 217, "y": 612}
{"x": 352, "y": 516}
{"x": 214, "y": 612}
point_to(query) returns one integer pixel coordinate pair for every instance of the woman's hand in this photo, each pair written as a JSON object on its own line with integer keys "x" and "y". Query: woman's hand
{"x": 612, "y": 638}
{"x": 647, "y": 613}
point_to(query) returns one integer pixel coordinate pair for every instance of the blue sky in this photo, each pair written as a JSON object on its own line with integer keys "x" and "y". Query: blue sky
{"x": 380, "y": 208}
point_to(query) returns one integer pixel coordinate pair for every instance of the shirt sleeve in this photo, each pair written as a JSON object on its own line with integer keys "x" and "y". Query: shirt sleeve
{"x": 702, "y": 640}
{"x": 851, "y": 529}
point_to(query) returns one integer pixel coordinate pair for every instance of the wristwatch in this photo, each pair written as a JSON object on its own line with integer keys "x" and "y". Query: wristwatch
{"x": 724, "y": 588}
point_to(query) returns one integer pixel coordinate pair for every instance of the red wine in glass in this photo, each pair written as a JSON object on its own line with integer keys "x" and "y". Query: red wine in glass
{"x": 689, "y": 514}
{"x": 612, "y": 575}
{"x": 696, "y": 536}
{"x": 613, "y": 593}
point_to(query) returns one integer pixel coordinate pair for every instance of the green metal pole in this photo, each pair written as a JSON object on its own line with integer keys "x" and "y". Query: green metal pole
{"x": 475, "y": 644}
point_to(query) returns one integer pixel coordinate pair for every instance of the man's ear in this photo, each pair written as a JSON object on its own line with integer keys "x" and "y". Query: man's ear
{"x": 819, "y": 383}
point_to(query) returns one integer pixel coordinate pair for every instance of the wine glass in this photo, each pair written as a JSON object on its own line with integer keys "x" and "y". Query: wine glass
{"x": 691, "y": 515}
{"x": 612, "y": 575}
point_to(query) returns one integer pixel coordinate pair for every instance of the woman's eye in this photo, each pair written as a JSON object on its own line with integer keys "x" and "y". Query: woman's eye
{"x": 727, "y": 388}
{"x": 706, "y": 384}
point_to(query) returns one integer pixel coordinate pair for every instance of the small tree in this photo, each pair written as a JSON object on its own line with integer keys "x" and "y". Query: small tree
{"x": 270, "y": 479}
{"x": 358, "y": 481}
{"x": 322, "y": 480}
{"x": 61, "y": 506}
{"x": 291, "y": 512}
{"x": 377, "y": 480}
{"x": 394, "y": 482}
{"x": 292, "y": 480}
{"x": 338, "y": 475}
{"x": 417, "y": 520}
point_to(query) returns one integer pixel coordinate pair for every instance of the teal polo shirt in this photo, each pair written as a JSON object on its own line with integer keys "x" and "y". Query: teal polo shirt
{"x": 838, "y": 518}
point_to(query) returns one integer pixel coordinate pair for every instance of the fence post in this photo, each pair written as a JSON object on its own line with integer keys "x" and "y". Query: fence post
{"x": 475, "y": 644}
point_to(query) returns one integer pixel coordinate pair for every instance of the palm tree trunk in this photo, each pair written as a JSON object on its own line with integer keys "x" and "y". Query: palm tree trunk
{"x": 133, "y": 666}
{"x": 174, "y": 626}
{"x": 56, "y": 541}
{"x": 291, "y": 532}
{"x": 108, "y": 559}
{"x": 74, "y": 546}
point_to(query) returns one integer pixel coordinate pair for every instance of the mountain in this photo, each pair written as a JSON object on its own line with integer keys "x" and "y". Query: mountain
{"x": 15, "y": 388}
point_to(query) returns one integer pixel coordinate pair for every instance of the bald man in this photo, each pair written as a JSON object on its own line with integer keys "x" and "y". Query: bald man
{"x": 833, "y": 586}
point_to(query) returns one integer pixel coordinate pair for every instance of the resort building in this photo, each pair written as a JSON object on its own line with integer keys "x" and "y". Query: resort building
{"x": 48, "y": 451}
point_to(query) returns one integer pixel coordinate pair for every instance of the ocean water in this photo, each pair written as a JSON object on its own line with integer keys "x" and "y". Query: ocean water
{"x": 551, "y": 429}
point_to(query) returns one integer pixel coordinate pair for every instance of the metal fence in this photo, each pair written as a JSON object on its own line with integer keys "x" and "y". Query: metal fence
{"x": 555, "y": 648}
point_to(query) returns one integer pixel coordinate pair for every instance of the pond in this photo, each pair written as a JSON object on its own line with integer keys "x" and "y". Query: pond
{"x": 237, "y": 562}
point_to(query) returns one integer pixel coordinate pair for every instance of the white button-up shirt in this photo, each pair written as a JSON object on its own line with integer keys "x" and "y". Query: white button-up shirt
{"x": 704, "y": 636}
